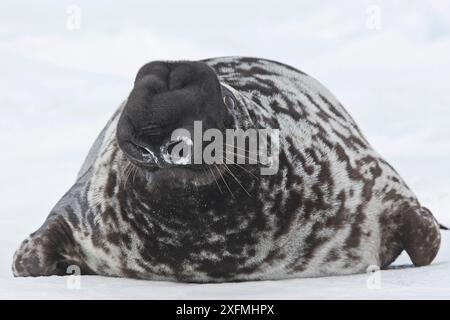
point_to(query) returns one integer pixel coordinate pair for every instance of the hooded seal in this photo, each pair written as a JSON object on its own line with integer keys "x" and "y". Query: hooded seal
{"x": 332, "y": 207}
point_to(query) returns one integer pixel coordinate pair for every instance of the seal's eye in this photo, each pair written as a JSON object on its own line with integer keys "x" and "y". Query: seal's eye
{"x": 229, "y": 101}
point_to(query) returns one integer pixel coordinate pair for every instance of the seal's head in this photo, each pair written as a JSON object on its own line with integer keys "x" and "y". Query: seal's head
{"x": 169, "y": 96}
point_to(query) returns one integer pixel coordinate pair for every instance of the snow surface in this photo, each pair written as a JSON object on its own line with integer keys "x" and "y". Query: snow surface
{"x": 59, "y": 86}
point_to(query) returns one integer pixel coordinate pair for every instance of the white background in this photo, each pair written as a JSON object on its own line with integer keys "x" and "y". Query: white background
{"x": 59, "y": 85}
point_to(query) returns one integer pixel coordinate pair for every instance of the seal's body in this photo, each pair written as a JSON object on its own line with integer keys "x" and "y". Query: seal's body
{"x": 334, "y": 206}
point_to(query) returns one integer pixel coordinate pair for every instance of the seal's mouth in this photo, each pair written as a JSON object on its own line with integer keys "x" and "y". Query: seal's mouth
{"x": 140, "y": 155}
{"x": 151, "y": 158}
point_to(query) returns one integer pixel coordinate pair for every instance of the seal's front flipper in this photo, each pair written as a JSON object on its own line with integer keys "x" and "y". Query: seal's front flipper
{"x": 421, "y": 237}
{"x": 48, "y": 251}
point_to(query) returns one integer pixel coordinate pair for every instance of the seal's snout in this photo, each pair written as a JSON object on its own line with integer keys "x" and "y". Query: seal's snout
{"x": 168, "y": 96}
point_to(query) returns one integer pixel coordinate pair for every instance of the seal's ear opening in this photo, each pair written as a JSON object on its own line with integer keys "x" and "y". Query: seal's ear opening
{"x": 168, "y": 96}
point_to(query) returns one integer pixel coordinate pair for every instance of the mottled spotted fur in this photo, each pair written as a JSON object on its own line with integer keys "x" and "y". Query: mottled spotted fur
{"x": 335, "y": 206}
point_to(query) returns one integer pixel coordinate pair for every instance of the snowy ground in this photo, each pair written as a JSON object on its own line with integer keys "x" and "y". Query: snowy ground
{"x": 59, "y": 85}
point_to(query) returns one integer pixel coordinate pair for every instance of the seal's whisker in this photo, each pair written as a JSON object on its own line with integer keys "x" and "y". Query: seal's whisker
{"x": 123, "y": 174}
{"x": 250, "y": 152}
{"x": 246, "y": 157}
{"x": 126, "y": 175}
{"x": 237, "y": 180}
{"x": 134, "y": 174}
{"x": 129, "y": 170}
{"x": 215, "y": 180}
{"x": 243, "y": 168}
{"x": 223, "y": 179}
